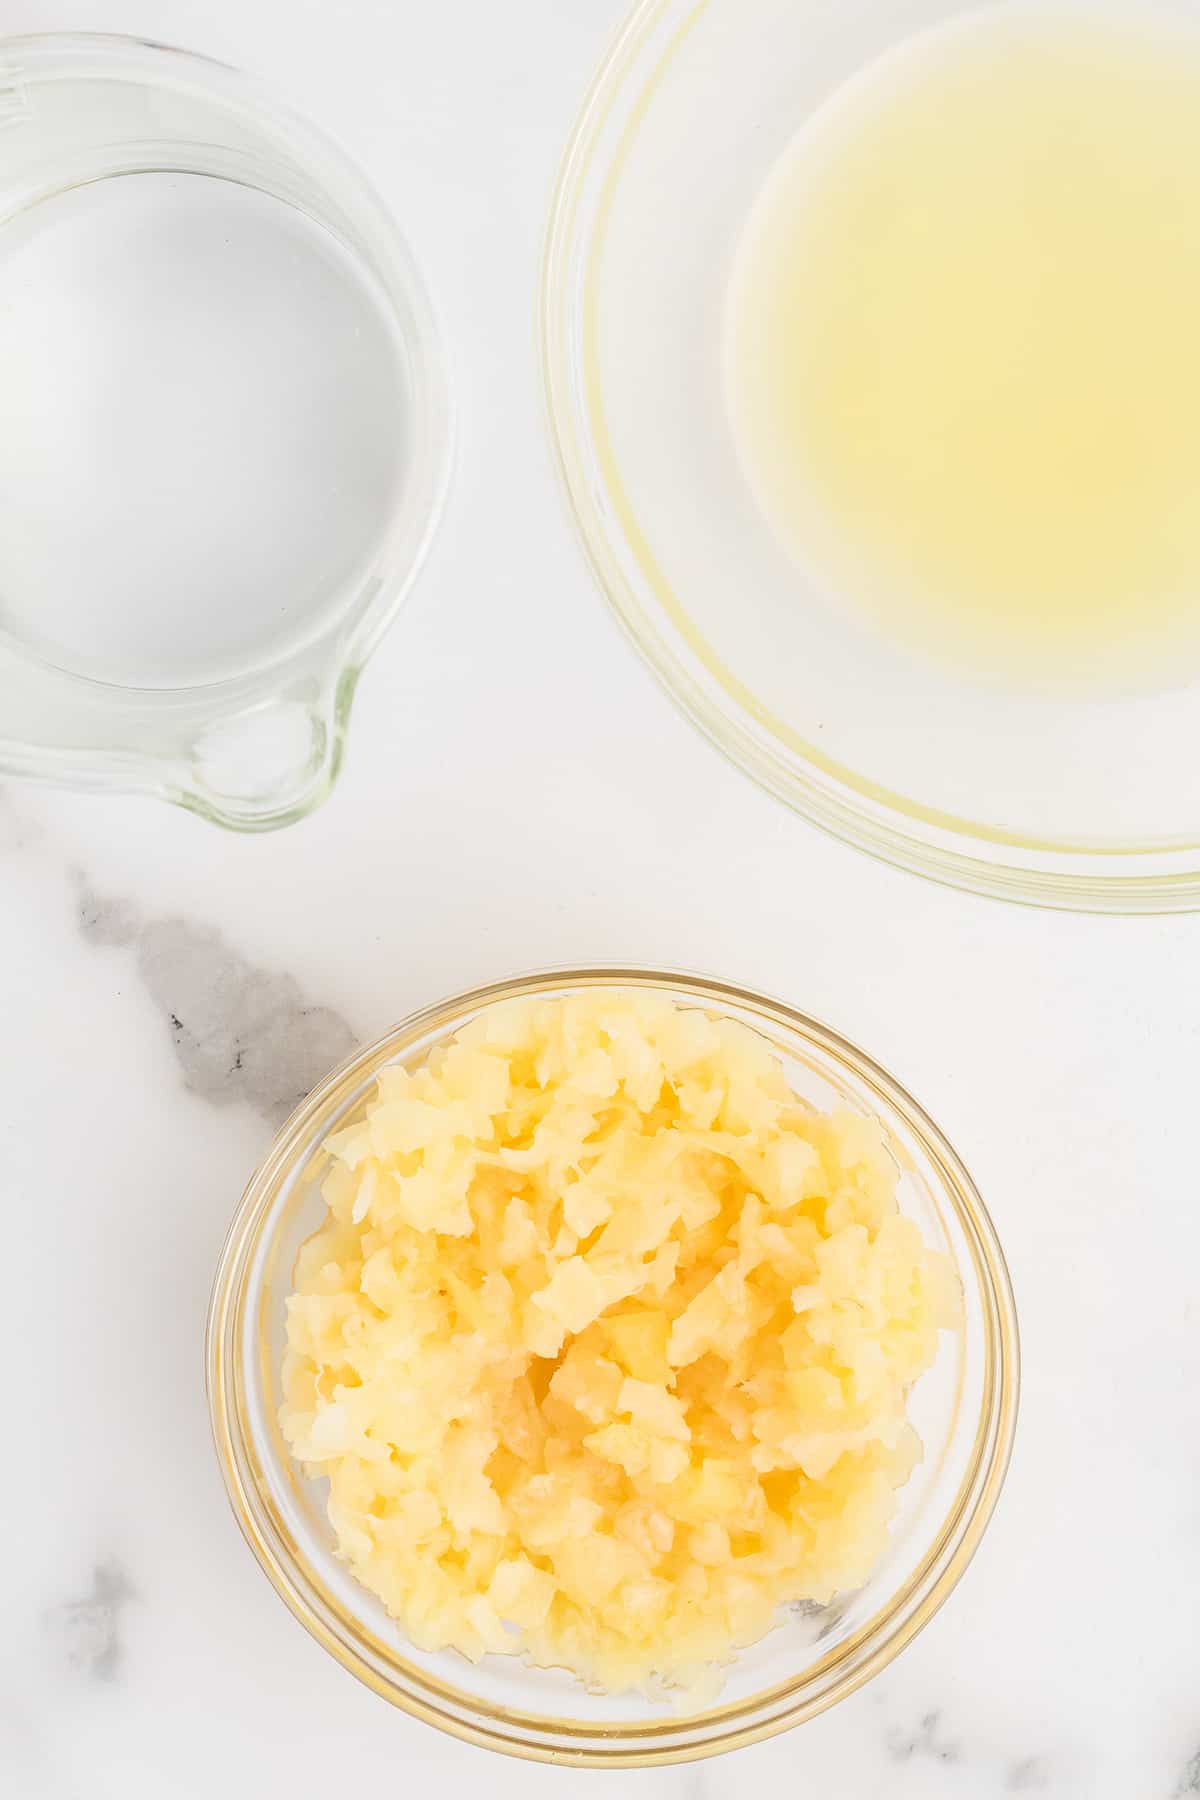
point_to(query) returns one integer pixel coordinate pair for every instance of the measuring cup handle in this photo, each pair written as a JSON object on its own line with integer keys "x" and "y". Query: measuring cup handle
{"x": 251, "y": 761}
{"x": 270, "y": 764}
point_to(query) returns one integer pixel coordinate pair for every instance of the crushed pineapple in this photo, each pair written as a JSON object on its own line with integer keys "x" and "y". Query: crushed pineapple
{"x": 605, "y": 1344}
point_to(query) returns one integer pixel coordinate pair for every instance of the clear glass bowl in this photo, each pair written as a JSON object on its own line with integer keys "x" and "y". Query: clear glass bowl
{"x": 1063, "y": 799}
{"x": 226, "y": 435}
{"x": 964, "y": 1408}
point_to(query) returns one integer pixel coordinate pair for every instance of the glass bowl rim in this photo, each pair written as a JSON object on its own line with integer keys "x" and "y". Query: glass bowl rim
{"x": 670, "y": 1739}
{"x": 1155, "y": 877}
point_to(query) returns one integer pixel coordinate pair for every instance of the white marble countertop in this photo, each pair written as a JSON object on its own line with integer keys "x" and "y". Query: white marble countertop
{"x": 167, "y": 991}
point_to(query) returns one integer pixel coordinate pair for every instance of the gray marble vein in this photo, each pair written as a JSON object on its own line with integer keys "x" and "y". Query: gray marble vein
{"x": 107, "y": 921}
{"x": 1189, "y": 1781}
{"x": 240, "y": 1034}
{"x": 926, "y": 1740}
{"x": 87, "y": 1631}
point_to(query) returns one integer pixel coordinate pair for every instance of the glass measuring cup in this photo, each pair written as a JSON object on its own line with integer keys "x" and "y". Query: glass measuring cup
{"x": 225, "y": 434}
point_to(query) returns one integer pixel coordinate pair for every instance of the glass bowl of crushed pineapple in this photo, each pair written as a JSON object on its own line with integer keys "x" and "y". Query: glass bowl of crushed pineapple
{"x": 612, "y": 1367}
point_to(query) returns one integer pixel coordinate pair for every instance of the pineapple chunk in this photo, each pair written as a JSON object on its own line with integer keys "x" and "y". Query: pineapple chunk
{"x": 638, "y": 1341}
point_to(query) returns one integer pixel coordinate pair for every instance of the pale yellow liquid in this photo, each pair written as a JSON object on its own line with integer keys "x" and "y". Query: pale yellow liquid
{"x": 963, "y": 352}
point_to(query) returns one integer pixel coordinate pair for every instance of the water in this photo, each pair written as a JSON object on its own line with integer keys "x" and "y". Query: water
{"x": 202, "y": 436}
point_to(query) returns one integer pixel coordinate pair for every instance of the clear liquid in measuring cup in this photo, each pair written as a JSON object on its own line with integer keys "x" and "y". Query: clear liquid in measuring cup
{"x": 203, "y": 433}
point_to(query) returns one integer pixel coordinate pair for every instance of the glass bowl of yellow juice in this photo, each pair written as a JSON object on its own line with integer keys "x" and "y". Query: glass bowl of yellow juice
{"x": 872, "y": 376}
{"x": 962, "y": 1409}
